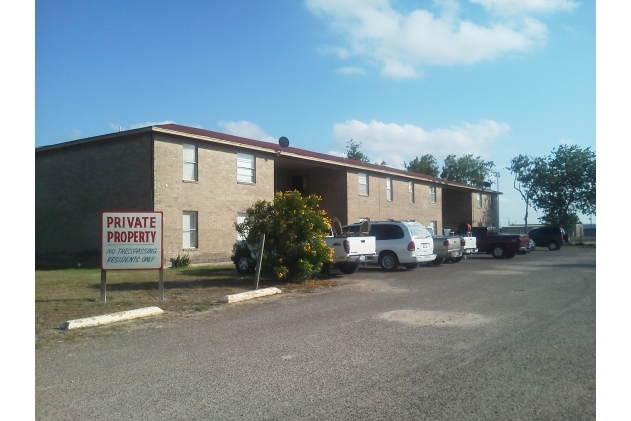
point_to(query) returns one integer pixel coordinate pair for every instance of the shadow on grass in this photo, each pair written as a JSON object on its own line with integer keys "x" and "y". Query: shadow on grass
{"x": 199, "y": 283}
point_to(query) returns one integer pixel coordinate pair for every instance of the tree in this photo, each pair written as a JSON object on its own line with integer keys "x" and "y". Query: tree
{"x": 353, "y": 152}
{"x": 467, "y": 170}
{"x": 294, "y": 229}
{"x": 565, "y": 184}
{"x": 425, "y": 165}
{"x": 522, "y": 167}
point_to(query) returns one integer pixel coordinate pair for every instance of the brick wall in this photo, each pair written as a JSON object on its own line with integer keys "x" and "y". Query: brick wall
{"x": 376, "y": 206}
{"x": 73, "y": 184}
{"x": 215, "y": 196}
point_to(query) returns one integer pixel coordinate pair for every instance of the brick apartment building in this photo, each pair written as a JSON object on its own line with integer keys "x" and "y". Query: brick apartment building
{"x": 203, "y": 181}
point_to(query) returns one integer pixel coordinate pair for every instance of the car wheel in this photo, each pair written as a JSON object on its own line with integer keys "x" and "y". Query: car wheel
{"x": 349, "y": 268}
{"x": 243, "y": 265}
{"x": 499, "y": 252}
{"x": 388, "y": 261}
{"x": 553, "y": 245}
{"x": 411, "y": 265}
{"x": 438, "y": 261}
{"x": 456, "y": 259}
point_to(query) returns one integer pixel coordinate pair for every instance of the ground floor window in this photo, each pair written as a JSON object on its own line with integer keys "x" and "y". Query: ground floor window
{"x": 189, "y": 230}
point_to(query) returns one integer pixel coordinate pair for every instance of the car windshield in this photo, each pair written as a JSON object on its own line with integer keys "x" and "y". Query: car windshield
{"x": 418, "y": 231}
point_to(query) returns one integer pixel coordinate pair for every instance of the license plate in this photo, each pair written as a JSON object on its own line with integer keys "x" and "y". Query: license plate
{"x": 425, "y": 246}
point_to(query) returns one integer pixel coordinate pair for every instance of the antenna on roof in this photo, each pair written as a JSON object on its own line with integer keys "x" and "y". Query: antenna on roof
{"x": 283, "y": 142}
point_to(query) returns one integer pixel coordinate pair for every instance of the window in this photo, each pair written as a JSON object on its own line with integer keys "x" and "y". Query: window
{"x": 245, "y": 168}
{"x": 189, "y": 230}
{"x": 478, "y": 200}
{"x": 363, "y": 183}
{"x": 189, "y": 162}
{"x": 432, "y": 194}
{"x": 411, "y": 191}
{"x": 389, "y": 189}
{"x": 386, "y": 232}
{"x": 434, "y": 225}
{"x": 240, "y": 220}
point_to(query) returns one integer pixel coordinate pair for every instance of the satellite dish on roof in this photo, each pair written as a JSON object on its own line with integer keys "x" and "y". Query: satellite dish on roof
{"x": 337, "y": 227}
{"x": 283, "y": 142}
{"x": 487, "y": 184}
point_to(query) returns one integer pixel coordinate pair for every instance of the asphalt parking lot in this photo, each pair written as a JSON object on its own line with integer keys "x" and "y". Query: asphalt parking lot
{"x": 483, "y": 339}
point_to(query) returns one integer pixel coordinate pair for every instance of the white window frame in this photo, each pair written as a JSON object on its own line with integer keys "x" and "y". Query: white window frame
{"x": 240, "y": 219}
{"x": 190, "y": 232}
{"x": 432, "y": 194}
{"x": 362, "y": 180}
{"x": 246, "y": 168}
{"x": 411, "y": 191}
{"x": 189, "y": 162}
{"x": 478, "y": 200}
{"x": 389, "y": 189}
{"x": 434, "y": 225}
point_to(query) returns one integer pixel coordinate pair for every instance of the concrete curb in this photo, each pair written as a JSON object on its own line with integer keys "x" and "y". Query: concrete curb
{"x": 249, "y": 294}
{"x": 110, "y": 318}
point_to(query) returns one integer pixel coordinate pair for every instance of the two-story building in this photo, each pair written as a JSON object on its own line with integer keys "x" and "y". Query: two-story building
{"x": 203, "y": 181}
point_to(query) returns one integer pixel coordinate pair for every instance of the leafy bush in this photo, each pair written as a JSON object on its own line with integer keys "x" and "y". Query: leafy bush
{"x": 294, "y": 229}
{"x": 180, "y": 261}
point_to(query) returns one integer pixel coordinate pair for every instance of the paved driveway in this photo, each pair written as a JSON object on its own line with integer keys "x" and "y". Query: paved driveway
{"x": 483, "y": 339}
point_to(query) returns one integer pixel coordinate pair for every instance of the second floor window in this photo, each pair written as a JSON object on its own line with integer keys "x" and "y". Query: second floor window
{"x": 245, "y": 168}
{"x": 389, "y": 189}
{"x": 432, "y": 194}
{"x": 411, "y": 191}
{"x": 189, "y": 162}
{"x": 363, "y": 183}
{"x": 478, "y": 200}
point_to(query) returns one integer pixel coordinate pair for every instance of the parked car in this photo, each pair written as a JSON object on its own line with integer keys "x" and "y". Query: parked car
{"x": 446, "y": 247}
{"x": 549, "y": 236}
{"x": 500, "y": 245}
{"x": 243, "y": 257}
{"x": 348, "y": 254}
{"x": 404, "y": 243}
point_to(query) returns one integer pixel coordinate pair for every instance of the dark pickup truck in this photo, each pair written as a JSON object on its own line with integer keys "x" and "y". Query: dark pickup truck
{"x": 500, "y": 245}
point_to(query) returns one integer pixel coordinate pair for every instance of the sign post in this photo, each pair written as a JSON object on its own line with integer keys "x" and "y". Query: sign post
{"x": 131, "y": 240}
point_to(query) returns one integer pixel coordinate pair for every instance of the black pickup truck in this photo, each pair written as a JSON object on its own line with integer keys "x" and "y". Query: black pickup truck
{"x": 500, "y": 245}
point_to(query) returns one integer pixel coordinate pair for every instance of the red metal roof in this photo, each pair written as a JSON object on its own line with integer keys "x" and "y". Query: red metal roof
{"x": 307, "y": 154}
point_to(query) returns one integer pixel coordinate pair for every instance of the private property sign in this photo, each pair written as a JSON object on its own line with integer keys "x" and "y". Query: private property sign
{"x": 131, "y": 240}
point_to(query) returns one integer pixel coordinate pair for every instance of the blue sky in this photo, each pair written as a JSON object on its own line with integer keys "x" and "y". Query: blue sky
{"x": 493, "y": 78}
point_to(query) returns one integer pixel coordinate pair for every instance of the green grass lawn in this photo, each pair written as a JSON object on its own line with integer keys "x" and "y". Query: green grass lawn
{"x": 68, "y": 294}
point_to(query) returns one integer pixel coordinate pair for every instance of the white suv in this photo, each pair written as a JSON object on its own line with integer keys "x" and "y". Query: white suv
{"x": 405, "y": 243}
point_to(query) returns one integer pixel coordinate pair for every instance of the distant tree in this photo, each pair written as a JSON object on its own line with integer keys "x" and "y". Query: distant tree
{"x": 522, "y": 167}
{"x": 565, "y": 185}
{"x": 425, "y": 165}
{"x": 467, "y": 170}
{"x": 353, "y": 152}
{"x": 383, "y": 163}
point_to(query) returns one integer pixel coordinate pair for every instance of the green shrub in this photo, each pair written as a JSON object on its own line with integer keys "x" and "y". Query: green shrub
{"x": 180, "y": 261}
{"x": 294, "y": 229}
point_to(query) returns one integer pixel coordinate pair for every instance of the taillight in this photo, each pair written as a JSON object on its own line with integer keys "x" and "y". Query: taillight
{"x": 347, "y": 247}
{"x": 446, "y": 243}
{"x": 462, "y": 242}
{"x": 411, "y": 246}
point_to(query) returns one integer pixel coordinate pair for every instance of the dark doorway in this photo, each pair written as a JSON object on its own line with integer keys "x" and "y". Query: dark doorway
{"x": 296, "y": 184}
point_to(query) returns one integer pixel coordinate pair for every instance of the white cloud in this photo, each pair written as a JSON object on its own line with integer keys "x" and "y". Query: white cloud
{"x": 395, "y": 143}
{"x": 247, "y": 130}
{"x": 351, "y": 71}
{"x": 400, "y": 42}
{"x": 76, "y": 134}
{"x": 513, "y": 7}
